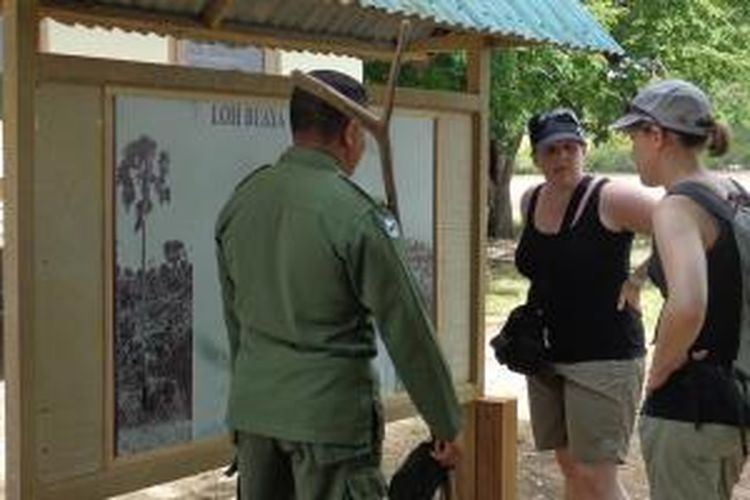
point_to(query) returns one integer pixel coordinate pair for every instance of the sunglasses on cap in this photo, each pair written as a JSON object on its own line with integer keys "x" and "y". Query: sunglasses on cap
{"x": 557, "y": 124}
{"x": 561, "y": 115}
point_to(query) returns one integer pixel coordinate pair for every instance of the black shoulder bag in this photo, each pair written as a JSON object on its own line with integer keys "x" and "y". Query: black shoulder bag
{"x": 523, "y": 341}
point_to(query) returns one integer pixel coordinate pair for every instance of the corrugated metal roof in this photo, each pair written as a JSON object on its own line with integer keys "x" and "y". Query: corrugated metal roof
{"x": 561, "y": 22}
{"x": 371, "y": 23}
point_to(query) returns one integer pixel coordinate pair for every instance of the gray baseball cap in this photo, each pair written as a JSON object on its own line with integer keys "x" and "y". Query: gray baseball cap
{"x": 673, "y": 104}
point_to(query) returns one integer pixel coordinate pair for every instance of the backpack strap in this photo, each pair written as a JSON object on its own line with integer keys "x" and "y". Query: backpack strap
{"x": 741, "y": 197}
{"x": 739, "y": 187}
{"x": 706, "y": 198}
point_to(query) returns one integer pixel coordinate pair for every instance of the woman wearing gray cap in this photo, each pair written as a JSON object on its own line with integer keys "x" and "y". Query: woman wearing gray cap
{"x": 689, "y": 429}
{"x": 575, "y": 250}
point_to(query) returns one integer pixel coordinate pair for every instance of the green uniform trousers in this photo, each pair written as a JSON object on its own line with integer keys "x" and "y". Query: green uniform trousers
{"x": 276, "y": 469}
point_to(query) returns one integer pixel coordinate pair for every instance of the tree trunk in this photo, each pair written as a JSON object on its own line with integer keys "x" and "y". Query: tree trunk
{"x": 502, "y": 164}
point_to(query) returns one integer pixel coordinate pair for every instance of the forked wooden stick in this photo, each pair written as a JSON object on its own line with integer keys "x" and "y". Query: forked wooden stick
{"x": 379, "y": 127}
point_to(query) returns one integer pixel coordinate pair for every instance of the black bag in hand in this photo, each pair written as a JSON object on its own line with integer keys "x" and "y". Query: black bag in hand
{"x": 522, "y": 343}
{"x": 419, "y": 477}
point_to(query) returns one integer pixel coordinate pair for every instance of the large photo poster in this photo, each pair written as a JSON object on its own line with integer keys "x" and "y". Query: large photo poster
{"x": 176, "y": 161}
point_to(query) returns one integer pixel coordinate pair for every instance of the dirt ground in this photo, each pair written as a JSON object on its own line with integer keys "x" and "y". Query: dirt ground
{"x": 538, "y": 476}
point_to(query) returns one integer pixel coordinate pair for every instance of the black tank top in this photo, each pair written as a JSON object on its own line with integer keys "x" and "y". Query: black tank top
{"x": 705, "y": 391}
{"x": 576, "y": 275}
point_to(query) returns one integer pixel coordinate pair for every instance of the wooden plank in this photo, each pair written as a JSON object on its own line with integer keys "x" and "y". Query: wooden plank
{"x": 183, "y": 26}
{"x": 90, "y": 71}
{"x": 454, "y": 143}
{"x": 479, "y": 84}
{"x": 496, "y": 453}
{"x": 147, "y": 470}
{"x": 108, "y": 155}
{"x": 400, "y": 406}
{"x": 466, "y": 484}
{"x": 430, "y": 99}
{"x": 69, "y": 270}
{"x": 160, "y": 466}
{"x": 44, "y": 35}
{"x": 469, "y": 41}
{"x": 214, "y": 11}
{"x": 448, "y": 43}
{"x": 19, "y": 78}
{"x": 437, "y": 297}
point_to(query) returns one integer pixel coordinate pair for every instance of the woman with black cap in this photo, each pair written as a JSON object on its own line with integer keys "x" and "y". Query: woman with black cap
{"x": 690, "y": 429}
{"x": 575, "y": 250}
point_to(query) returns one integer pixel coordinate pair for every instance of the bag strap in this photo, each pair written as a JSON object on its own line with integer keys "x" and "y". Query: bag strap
{"x": 592, "y": 189}
{"x": 575, "y": 201}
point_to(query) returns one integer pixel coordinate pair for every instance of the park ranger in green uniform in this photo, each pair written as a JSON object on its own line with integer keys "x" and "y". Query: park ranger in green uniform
{"x": 308, "y": 263}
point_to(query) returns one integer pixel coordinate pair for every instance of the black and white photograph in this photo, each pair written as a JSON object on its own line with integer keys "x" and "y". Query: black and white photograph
{"x": 176, "y": 162}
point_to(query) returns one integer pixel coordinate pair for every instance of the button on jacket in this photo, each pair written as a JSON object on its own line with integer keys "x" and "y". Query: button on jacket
{"x": 307, "y": 261}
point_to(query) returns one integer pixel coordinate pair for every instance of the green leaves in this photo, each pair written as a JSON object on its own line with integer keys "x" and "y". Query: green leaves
{"x": 705, "y": 41}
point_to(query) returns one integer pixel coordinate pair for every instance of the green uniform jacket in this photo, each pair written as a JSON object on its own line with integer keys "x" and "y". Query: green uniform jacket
{"x": 306, "y": 261}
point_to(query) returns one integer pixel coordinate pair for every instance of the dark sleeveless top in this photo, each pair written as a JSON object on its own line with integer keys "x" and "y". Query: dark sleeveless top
{"x": 576, "y": 276}
{"x": 704, "y": 391}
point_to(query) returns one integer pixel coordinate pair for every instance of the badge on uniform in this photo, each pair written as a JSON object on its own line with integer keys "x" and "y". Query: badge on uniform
{"x": 390, "y": 224}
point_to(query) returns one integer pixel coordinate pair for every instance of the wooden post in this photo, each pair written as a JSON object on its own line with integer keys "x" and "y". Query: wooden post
{"x": 19, "y": 79}
{"x": 497, "y": 460}
{"x": 489, "y": 468}
{"x": 478, "y": 82}
{"x": 466, "y": 472}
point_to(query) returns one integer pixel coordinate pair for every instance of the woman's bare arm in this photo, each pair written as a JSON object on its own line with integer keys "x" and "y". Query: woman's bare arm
{"x": 678, "y": 239}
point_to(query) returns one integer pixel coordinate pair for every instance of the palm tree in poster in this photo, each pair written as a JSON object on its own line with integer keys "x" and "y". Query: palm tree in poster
{"x": 141, "y": 177}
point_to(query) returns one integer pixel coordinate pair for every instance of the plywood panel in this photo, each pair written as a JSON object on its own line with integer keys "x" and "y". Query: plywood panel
{"x": 454, "y": 240}
{"x": 68, "y": 257}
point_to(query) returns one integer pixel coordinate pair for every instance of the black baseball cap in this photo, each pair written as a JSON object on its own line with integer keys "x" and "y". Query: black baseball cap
{"x": 556, "y": 125}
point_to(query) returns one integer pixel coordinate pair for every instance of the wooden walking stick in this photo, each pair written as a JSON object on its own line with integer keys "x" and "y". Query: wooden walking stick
{"x": 379, "y": 127}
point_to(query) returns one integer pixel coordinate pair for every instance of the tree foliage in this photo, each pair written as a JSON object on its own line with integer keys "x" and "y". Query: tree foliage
{"x": 705, "y": 41}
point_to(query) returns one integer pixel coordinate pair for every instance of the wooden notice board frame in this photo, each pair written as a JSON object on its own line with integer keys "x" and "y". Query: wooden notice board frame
{"x": 455, "y": 118}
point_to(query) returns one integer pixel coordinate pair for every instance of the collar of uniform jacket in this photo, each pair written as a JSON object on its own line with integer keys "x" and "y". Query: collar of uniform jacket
{"x": 311, "y": 157}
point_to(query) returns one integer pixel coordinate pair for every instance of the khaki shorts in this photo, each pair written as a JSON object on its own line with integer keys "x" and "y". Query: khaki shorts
{"x": 588, "y": 408}
{"x": 685, "y": 463}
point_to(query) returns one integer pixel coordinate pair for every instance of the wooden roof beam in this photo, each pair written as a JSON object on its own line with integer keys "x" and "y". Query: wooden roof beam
{"x": 447, "y": 43}
{"x": 191, "y": 28}
{"x": 214, "y": 11}
{"x": 468, "y": 41}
